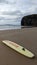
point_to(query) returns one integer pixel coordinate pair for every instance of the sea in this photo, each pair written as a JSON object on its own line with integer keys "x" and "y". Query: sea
{"x": 10, "y": 27}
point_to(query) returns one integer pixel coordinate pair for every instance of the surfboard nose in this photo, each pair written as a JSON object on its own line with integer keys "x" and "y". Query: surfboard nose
{"x": 33, "y": 56}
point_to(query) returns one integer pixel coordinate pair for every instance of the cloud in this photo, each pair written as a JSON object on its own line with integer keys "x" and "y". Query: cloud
{"x": 22, "y": 5}
{"x": 17, "y": 12}
{"x": 8, "y": 1}
{"x": 15, "y": 9}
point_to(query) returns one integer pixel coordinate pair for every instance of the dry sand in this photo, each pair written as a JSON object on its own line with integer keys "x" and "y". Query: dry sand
{"x": 26, "y": 37}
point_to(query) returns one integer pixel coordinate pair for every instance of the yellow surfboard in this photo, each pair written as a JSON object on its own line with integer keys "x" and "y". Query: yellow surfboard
{"x": 18, "y": 48}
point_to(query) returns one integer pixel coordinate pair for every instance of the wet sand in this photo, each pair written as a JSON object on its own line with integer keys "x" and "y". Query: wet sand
{"x": 26, "y": 37}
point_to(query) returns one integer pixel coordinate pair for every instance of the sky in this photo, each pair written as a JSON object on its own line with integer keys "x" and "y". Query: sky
{"x": 12, "y": 10}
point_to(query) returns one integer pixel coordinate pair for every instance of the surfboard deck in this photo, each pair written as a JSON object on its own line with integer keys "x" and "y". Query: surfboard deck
{"x": 18, "y": 48}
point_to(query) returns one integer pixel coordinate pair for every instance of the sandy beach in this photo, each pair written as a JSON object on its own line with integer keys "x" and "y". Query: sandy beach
{"x": 26, "y": 37}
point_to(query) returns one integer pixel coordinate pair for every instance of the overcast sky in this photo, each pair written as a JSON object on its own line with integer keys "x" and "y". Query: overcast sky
{"x": 15, "y": 8}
